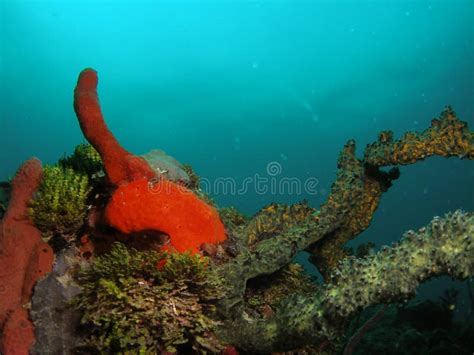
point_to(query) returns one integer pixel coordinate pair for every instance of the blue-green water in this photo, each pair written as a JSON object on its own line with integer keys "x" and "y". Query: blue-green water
{"x": 231, "y": 86}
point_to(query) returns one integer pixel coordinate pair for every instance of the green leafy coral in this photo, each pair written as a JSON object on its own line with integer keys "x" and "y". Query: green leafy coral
{"x": 85, "y": 160}
{"x": 60, "y": 203}
{"x": 147, "y": 302}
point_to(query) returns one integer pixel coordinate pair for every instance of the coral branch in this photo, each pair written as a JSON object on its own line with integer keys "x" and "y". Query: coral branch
{"x": 447, "y": 136}
{"x": 341, "y": 216}
{"x": 24, "y": 258}
{"x": 444, "y": 247}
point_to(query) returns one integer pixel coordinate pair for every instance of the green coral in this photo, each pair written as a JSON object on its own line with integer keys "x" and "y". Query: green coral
{"x": 60, "y": 203}
{"x": 148, "y": 302}
{"x": 85, "y": 160}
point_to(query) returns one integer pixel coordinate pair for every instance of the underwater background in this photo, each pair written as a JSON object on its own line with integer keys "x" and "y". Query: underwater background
{"x": 234, "y": 87}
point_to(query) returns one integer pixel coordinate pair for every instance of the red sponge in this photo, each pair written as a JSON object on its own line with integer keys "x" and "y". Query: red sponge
{"x": 166, "y": 207}
{"x": 120, "y": 166}
{"x": 24, "y": 259}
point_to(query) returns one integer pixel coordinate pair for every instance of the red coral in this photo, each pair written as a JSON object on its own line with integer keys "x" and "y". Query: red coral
{"x": 120, "y": 166}
{"x": 136, "y": 205}
{"x": 24, "y": 258}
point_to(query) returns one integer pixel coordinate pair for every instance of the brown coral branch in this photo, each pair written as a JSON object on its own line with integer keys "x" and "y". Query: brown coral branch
{"x": 447, "y": 137}
{"x": 443, "y": 247}
{"x": 280, "y": 234}
{"x": 269, "y": 255}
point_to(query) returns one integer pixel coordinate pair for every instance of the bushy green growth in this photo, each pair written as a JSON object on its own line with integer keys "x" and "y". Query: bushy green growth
{"x": 85, "y": 160}
{"x": 60, "y": 203}
{"x": 148, "y": 302}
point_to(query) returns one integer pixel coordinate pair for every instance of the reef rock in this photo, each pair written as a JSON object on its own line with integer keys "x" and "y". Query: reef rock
{"x": 55, "y": 322}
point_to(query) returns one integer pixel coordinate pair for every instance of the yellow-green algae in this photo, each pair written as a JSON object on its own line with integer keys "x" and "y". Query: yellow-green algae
{"x": 148, "y": 302}
{"x": 60, "y": 203}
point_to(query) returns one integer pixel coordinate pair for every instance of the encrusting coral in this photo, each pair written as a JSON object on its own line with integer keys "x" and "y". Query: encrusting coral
{"x": 247, "y": 294}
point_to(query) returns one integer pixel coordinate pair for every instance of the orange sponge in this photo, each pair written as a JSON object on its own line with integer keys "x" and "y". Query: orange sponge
{"x": 167, "y": 207}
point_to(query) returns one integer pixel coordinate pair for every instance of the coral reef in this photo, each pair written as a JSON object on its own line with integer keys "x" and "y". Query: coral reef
{"x": 444, "y": 247}
{"x": 60, "y": 204}
{"x": 159, "y": 293}
{"x": 447, "y": 137}
{"x": 24, "y": 258}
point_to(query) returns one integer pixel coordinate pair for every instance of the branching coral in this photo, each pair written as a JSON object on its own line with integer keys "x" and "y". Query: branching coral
{"x": 444, "y": 247}
{"x": 446, "y": 137}
{"x": 347, "y": 212}
{"x": 131, "y": 305}
{"x": 60, "y": 203}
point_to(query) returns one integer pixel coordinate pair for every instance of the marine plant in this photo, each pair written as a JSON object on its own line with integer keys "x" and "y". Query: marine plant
{"x": 60, "y": 204}
{"x": 147, "y": 302}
